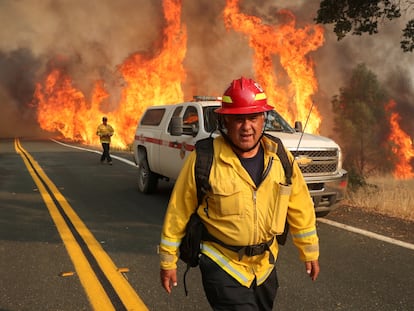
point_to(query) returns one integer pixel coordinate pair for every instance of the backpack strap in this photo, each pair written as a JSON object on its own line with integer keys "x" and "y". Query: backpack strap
{"x": 281, "y": 153}
{"x": 204, "y": 160}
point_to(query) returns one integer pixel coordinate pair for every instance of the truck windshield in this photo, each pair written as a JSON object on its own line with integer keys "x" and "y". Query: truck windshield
{"x": 276, "y": 123}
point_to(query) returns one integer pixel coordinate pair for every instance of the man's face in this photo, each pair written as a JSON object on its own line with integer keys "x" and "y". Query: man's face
{"x": 245, "y": 130}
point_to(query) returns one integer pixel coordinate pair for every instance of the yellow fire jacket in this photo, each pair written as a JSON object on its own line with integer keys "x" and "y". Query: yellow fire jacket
{"x": 239, "y": 213}
{"x": 105, "y": 132}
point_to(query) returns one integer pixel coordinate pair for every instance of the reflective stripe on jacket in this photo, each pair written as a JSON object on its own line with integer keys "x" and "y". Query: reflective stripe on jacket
{"x": 238, "y": 213}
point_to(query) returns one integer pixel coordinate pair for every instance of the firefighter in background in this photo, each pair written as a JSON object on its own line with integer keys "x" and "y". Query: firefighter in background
{"x": 246, "y": 207}
{"x": 105, "y": 131}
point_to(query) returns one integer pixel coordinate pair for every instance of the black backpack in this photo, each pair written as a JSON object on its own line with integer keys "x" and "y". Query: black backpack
{"x": 190, "y": 243}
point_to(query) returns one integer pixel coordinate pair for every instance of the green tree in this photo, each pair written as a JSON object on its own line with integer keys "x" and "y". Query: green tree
{"x": 359, "y": 16}
{"x": 361, "y": 123}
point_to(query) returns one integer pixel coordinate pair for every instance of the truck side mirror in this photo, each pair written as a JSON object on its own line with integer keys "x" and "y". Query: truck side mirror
{"x": 298, "y": 126}
{"x": 176, "y": 126}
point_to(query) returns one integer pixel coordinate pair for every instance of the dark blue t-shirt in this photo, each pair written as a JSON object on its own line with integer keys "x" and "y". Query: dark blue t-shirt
{"x": 254, "y": 166}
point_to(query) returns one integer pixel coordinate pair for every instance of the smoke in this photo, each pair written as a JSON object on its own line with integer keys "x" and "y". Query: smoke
{"x": 95, "y": 36}
{"x": 99, "y": 32}
{"x": 92, "y": 36}
{"x": 17, "y": 77}
{"x": 215, "y": 56}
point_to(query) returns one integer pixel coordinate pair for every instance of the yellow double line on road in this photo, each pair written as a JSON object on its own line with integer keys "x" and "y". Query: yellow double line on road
{"x": 96, "y": 293}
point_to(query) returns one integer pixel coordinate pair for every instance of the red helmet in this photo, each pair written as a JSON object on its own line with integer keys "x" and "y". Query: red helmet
{"x": 244, "y": 96}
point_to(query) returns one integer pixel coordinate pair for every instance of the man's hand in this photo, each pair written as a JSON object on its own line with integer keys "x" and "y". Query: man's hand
{"x": 312, "y": 268}
{"x": 168, "y": 279}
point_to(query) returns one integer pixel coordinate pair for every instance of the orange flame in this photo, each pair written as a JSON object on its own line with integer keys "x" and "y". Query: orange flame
{"x": 65, "y": 101}
{"x": 402, "y": 146}
{"x": 149, "y": 81}
{"x": 292, "y": 45}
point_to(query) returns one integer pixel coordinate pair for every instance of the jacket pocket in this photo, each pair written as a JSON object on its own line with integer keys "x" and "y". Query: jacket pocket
{"x": 280, "y": 208}
{"x": 227, "y": 198}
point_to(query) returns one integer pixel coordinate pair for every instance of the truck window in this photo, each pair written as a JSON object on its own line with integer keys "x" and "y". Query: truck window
{"x": 275, "y": 122}
{"x": 210, "y": 118}
{"x": 190, "y": 120}
{"x": 176, "y": 113}
{"x": 153, "y": 117}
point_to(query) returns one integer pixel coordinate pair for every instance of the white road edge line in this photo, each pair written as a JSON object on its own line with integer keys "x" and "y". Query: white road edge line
{"x": 323, "y": 220}
{"x": 367, "y": 233}
{"x": 95, "y": 151}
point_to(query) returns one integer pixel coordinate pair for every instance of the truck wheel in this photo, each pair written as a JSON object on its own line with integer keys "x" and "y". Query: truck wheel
{"x": 147, "y": 180}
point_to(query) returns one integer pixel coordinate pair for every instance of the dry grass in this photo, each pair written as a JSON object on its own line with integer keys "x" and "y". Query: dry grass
{"x": 387, "y": 196}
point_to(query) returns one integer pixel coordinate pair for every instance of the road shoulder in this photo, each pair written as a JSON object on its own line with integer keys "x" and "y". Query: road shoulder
{"x": 392, "y": 227}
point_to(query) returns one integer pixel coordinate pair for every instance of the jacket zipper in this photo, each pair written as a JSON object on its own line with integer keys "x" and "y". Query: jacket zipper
{"x": 255, "y": 215}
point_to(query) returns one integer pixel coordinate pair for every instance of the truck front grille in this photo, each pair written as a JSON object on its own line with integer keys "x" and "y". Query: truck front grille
{"x": 324, "y": 162}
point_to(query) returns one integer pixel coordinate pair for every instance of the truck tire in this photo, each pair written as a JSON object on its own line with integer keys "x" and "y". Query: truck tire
{"x": 147, "y": 180}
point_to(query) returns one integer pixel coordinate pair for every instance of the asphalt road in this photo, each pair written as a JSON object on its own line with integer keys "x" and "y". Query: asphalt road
{"x": 122, "y": 229}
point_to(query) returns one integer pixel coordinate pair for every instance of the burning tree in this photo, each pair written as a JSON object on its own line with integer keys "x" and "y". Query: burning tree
{"x": 369, "y": 129}
{"x": 359, "y": 118}
{"x": 401, "y": 145}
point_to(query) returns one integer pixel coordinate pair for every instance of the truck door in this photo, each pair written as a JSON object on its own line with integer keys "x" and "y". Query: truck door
{"x": 175, "y": 149}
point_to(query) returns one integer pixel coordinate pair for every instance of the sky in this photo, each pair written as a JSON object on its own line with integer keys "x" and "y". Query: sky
{"x": 98, "y": 35}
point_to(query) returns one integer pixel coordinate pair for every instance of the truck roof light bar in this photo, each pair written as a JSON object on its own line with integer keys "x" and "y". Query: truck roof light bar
{"x": 199, "y": 98}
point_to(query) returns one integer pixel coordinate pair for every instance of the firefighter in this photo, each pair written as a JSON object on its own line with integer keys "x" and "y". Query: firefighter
{"x": 105, "y": 132}
{"x": 247, "y": 206}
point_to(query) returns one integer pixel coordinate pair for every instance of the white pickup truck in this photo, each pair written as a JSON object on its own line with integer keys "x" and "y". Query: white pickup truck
{"x": 165, "y": 136}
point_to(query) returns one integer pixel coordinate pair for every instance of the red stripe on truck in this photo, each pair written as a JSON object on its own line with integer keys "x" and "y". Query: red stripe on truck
{"x": 171, "y": 144}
